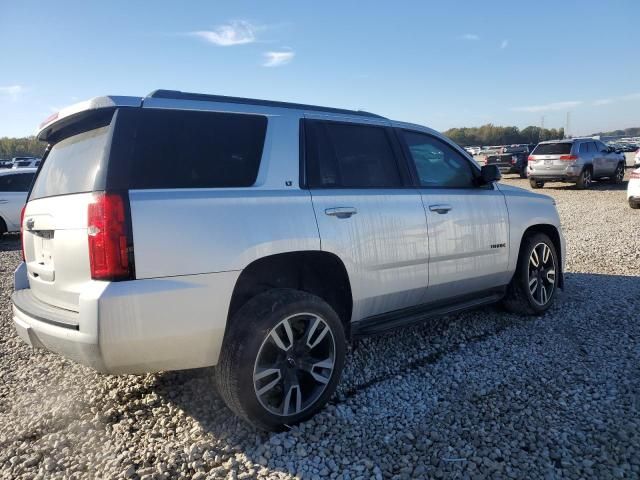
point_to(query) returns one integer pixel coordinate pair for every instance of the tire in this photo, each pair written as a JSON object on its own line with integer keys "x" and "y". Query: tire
{"x": 584, "y": 180}
{"x": 618, "y": 175}
{"x": 520, "y": 298}
{"x": 536, "y": 183}
{"x": 634, "y": 205}
{"x": 523, "y": 172}
{"x": 259, "y": 352}
{"x": 3, "y": 227}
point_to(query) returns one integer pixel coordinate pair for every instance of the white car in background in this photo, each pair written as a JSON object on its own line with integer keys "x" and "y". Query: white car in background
{"x": 633, "y": 188}
{"x": 636, "y": 163}
{"x": 25, "y": 162}
{"x": 14, "y": 186}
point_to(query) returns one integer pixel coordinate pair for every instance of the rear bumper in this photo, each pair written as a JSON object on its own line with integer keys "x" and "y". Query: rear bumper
{"x": 554, "y": 178}
{"x": 137, "y": 326}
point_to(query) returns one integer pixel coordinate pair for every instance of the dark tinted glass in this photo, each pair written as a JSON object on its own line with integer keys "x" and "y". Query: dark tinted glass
{"x": 187, "y": 149}
{"x": 349, "y": 156}
{"x": 584, "y": 147}
{"x": 552, "y": 149}
{"x": 437, "y": 164}
{"x": 592, "y": 147}
{"x": 72, "y": 164}
{"x": 16, "y": 183}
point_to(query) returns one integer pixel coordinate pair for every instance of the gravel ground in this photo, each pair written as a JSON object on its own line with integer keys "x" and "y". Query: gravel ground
{"x": 483, "y": 394}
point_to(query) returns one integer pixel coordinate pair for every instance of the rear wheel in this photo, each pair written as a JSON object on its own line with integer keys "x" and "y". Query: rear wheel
{"x": 523, "y": 171}
{"x": 3, "y": 227}
{"x": 618, "y": 175}
{"x": 281, "y": 359}
{"x": 584, "y": 180}
{"x": 533, "y": 286}
{"x": 634, "y": 205}
{"x": 536, "y": 183}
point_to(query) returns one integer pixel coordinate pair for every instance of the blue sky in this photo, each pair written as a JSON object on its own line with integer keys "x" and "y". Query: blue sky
{"x": 440, "y": 64}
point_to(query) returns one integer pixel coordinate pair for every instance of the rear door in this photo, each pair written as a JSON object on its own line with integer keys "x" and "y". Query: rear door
{"x": 13, "y": 194}
{"x": 55, "y": 234}
{"x": 468, "y": 224}
{"x": 367, "y": 214}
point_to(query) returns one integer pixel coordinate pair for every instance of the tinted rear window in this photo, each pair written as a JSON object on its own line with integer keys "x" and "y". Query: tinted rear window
{"x": 16, "y": 183}
{"x": 187, "y": 149}
{"x": 349, "y": 156}
{"x": 72, "y": 164}
{"x": 552, "y": 149}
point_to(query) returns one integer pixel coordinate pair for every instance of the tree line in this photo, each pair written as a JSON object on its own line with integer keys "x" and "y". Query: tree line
{"x": 21, "y": 147}
{"x": 627, "y": 132}
{"x": 490, "y": 134}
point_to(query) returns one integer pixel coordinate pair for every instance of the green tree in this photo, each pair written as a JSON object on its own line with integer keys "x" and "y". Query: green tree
{"x": 21, "y": 147}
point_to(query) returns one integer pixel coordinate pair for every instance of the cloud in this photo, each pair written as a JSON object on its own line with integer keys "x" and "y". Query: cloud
{"x": 549, "y": 107}
{"x": 276, "y": 59}
{"x": 237, "y": 32}
{"x": 609, "y": 101}
{"x": 469, "y": 36}
{"x": 12, "y": 91}
{"x": 504, "y": 44}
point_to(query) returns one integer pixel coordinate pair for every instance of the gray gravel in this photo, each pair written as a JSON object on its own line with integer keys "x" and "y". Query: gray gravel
{"x": 484, "y": 394}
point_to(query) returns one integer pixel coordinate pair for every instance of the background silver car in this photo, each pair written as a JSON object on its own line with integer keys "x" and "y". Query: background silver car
{"x": 578, "y": 161}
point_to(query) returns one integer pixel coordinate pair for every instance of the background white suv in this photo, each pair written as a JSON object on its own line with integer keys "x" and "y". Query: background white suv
{"x": 186, "y": 230}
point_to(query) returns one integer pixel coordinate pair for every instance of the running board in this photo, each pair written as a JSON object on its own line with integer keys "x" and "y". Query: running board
{"x": 385, "y": 322}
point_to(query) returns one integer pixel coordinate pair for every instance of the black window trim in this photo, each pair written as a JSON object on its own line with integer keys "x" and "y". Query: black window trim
{"x": 475, "y": 170}
{"x": 406, "y": 180}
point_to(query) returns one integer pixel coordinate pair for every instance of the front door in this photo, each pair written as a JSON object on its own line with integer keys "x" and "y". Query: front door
{"x": 366, "y": 213}
{"x": 467, "y": 223}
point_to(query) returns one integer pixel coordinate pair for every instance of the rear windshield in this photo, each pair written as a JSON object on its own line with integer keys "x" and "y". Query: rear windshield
{"x": 72, "y": 164}
{"x": 552, "y": 149}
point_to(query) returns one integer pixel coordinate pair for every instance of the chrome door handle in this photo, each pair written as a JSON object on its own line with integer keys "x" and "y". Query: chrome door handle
{"x": 4, "y": 201}
{"x": 341, "y": 212}
{"x": 441, "y": 208}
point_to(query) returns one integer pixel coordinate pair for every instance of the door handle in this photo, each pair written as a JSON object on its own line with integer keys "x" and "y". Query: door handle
{"x": 3, "y": 201}
{"x": 341, "y": 212}
{"x": 441, "y": 208}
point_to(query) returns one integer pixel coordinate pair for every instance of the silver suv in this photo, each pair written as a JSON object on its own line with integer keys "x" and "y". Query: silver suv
{"x": 578, "y": 161}
{"x": 185, "y": 230}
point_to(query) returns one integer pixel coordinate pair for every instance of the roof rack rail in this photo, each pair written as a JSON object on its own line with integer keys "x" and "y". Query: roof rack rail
{"x": 178, "y": 95}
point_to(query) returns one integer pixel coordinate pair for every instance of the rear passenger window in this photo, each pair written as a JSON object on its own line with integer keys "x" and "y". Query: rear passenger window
{"x": 349, "y": 156}
{"x": 584, "y": 147}
{"x": 592, "y": 147}
{"x": 16, "y": 183}
{"x": 188, "y": 149}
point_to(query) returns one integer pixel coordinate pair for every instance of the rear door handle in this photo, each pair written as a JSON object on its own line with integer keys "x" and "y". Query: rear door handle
{"x": 440, "y": 208}
{"x": 341, "y": 212}
{"x": 4, "y": 201}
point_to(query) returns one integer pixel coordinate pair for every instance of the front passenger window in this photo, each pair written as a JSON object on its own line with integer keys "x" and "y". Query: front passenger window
{"x": 437, "y": 164}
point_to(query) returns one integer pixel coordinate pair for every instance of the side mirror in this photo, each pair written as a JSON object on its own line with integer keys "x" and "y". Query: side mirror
{"x": 490, "y": 173}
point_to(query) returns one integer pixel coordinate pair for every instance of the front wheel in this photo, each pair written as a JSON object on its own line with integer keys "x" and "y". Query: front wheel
{"x": 281, "y": 359}
{"x": 618, "y": 175}
{"x": 534, "y": 284}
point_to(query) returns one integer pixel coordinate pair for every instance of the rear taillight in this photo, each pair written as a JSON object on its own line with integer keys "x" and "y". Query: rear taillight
{"x": 514, "y": 160}
{"x": 107, "y": 231}
{"x": 568, "y": 158}
{"x": 24, "y": 207}
{"x": 531, "y": 159}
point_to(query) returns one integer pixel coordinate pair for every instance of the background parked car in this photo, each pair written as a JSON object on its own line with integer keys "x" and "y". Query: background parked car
{"x": 633, "y": 189}
{"x": 25, "y": 162}
{"x": 510, "y": 159}
{"x": 14, "y": 185}
{"x": 637, "y": 159}
{"x": 578, "y": 161}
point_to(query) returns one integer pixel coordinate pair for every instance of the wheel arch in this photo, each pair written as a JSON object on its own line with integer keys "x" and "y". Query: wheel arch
{"x": 552, "y": 232}
{"x": 3, "y": 226}
{"x": 320, "y": 273}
